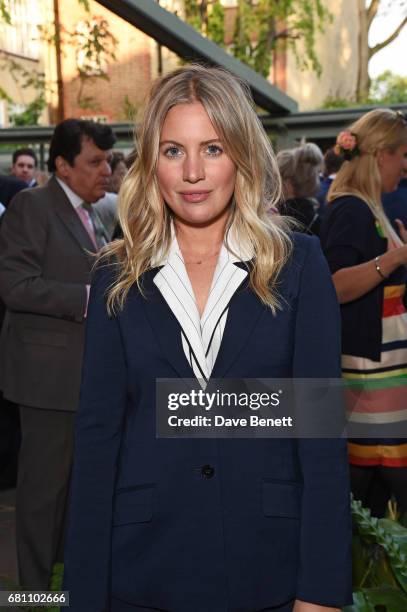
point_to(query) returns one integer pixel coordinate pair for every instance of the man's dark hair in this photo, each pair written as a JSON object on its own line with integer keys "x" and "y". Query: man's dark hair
{"x": 68, "y": 135}
{"x": 25, "y": 151}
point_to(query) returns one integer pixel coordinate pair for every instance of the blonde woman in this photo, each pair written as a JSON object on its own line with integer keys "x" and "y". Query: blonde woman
{"x": 205, "y": 284}
{"x": 367, "y": 259}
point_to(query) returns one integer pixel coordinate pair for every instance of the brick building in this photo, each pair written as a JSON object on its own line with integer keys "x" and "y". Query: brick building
{"x": 119, "y": 90}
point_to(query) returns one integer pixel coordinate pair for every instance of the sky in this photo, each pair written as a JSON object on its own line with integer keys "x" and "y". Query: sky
{"x": 394, "y": 56}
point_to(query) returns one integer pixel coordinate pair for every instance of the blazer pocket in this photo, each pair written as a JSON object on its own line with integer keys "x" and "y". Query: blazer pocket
{"x": 134, "y": 505}
{"x": 282, "y": 499}
{"x": 44, "y": 336}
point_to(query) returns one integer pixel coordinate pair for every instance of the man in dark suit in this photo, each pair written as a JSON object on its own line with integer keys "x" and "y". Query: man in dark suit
{"x": 47, "y": 238}
{"x": 25, "y": 166}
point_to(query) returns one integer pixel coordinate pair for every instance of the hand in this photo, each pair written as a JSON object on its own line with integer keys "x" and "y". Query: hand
{"x": 305, "y": 606}
{"x": 402, "y": 230}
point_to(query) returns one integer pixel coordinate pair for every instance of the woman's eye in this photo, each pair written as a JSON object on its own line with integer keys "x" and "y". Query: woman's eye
{"x": 214, "y": 150}
{"x": 172, "y": 152}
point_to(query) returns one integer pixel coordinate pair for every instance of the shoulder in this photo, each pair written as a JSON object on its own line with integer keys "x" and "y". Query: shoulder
{"x": 38, "y": 197}
{"x": 9, "y": 186}
{"x": 29, "y": 211}
{"x": 107, "y": 204}
{"x": 348, "y": 206}
{"x": 303, "y": 246}
{"x": 306, "y": 254}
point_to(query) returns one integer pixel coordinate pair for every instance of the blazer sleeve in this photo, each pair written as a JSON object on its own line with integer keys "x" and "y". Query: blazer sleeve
{"x": 325, "y": 547}
{"x": 23, "y": 245}
{"x": 346, "y": 233}
{"x": 97, "y": 442}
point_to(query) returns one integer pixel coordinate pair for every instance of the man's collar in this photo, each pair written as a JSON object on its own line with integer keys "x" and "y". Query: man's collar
{"x": 74, "y": 199}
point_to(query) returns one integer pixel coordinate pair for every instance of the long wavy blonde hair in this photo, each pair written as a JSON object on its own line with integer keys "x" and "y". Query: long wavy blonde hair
{"x": 379, "y": 129}
{"x": 146, "y": 219}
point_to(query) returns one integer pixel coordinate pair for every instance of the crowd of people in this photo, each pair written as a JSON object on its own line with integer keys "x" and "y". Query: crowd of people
{"x": 223, "y": 260}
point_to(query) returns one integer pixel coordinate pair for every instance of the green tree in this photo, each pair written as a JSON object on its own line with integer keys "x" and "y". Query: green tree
{"x": 368, "y": 11}
{"x": 208, "y": 17}
{"x": 261, "y": 25}
{"x": 389, "y": 88}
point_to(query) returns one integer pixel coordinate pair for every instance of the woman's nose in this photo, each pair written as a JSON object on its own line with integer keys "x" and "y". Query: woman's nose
{"x": 193, "y": 169}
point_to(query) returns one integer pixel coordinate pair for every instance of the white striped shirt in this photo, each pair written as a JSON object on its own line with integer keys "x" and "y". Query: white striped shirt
{"x": 202, "y": 336}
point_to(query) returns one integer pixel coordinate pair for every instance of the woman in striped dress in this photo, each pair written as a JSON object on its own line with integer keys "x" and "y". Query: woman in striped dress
{"x": 368, "y": 261}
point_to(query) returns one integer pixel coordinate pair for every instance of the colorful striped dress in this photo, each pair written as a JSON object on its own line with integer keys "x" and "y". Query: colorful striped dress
{"x": 378, "y": 389}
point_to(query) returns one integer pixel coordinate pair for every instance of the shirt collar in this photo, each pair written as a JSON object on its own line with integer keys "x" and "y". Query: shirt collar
{"x": 238, "y": 250}
{"x": 74, "y": 199}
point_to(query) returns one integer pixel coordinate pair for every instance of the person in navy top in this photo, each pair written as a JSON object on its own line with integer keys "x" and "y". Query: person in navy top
{"x": 368, "y": 257}
{"x": 395, "y": 203}
{"x": 206, "y": 284}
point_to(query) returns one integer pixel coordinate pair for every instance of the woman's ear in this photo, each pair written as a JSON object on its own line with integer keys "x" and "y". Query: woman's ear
{"x": 380, "y": 157}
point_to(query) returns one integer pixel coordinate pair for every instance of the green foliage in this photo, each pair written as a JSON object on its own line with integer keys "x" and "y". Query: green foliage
{"x": 4, "y": 12}
{"x": 130, "y": 109}
{"x": 4, "y": 96}
{"x": 55, "y": 586}
{"x": 31, "y": 114}
{"x": 95, "y": 48}
{"x": 216, "y": 24}
{"x": 379, "y": 553}
{"x": 261, "y": 25}
{"x": 24, "y": 79}
{"x": 332, "y": 102}
{"x": 85, "y": 4}
{"x": 389, "y": 88}
{"x": 193, "y": 14}
{"x": 56, "y": 583}
{"x": 208, "y": 17}
{"x": 377, "y": 599}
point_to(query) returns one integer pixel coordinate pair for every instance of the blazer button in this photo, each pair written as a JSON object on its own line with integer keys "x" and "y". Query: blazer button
{"x": 207, "y": 471}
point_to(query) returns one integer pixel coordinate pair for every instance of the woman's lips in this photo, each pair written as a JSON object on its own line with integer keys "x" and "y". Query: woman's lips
{"x": 195, "y": 196}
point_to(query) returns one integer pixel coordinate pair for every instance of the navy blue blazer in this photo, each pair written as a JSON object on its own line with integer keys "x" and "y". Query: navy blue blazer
{"x": 147, "y": 526}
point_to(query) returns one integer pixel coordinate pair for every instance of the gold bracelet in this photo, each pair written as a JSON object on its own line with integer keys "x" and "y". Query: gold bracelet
{"x": 378, "y": 268}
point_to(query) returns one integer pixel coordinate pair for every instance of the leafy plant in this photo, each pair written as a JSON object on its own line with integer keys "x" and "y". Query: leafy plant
{"x": 379, "y": 553}
{"x": 368, "y": 11}
{"x": 260, "y": 25}
{"x": 31, "y": 114}
{"x": 386, "y": 89}
{"x": 95, "y": 47}
{"x": 5, "y": 12}
{"x": 389, "y": 88}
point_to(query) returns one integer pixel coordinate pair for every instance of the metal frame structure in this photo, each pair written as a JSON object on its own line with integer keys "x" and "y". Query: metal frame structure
{"x": 168, "y": 30}
{"x": 321, "y": 126}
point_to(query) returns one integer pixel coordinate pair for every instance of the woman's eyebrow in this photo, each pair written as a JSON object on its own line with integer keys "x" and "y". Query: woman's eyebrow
{"x": 205, "y": 142}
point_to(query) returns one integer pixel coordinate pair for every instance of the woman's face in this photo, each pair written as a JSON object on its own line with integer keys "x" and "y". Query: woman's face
{"x": 195, "y": 175}
{"x": 391, "y": 167}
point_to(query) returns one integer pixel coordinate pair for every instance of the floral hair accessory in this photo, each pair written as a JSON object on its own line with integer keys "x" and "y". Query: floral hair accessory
{"x": 347, "y": 145}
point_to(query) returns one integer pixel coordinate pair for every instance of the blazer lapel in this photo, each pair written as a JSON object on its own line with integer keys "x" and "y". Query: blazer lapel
{"x": 69, "y": 217}
{"x": 245, "y": 309}
{"x": 165, "y": 326}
